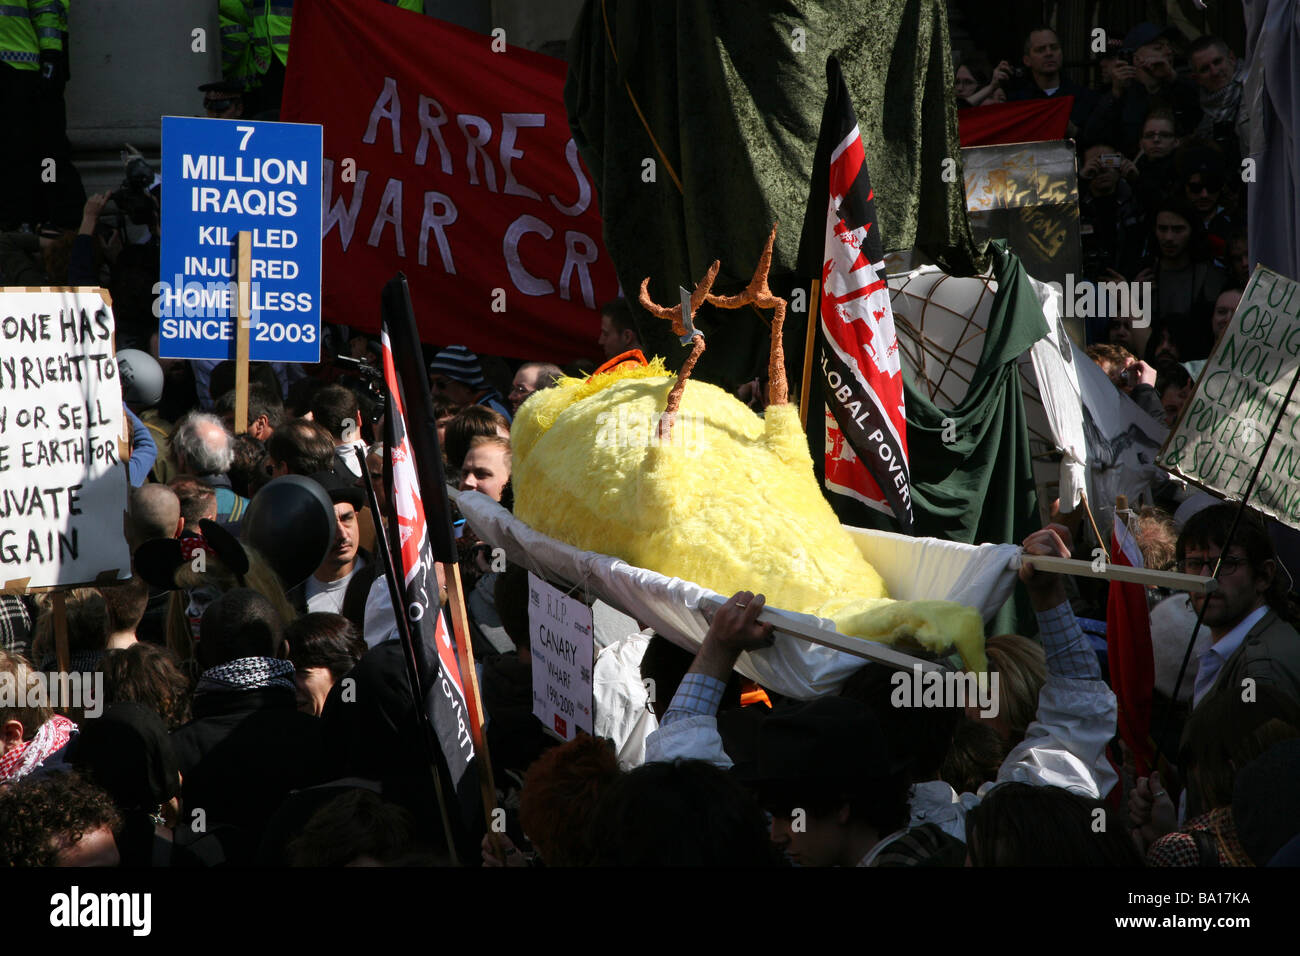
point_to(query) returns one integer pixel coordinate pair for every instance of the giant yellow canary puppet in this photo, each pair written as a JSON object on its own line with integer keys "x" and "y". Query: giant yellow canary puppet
{"x": 678, "y": 476}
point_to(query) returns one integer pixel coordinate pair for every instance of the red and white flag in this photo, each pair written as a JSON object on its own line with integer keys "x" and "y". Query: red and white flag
{"x": 440, "y": 687}
{"x": 866, "y": 428}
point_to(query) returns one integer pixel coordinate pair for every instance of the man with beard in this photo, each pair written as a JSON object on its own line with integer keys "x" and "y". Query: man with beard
{"x": 1251, "y": 641}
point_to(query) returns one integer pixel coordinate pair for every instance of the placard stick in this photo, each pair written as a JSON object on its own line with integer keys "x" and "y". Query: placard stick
{"x": 1195, "y": 583}
{"x": 59, "y": 606}
{"x": 245, "y": 255}
{"x": 465, "y": 651}
{"x": 814, "y": 317}
{"x": 857, "y": 646}
{"x": 1105, "y": 551}
{"x": 385, "y": 556}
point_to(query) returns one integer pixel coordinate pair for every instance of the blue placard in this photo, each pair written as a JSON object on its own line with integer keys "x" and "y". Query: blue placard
{"x": 220, "y": 177}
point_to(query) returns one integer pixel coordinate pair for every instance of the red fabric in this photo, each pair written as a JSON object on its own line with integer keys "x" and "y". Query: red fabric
{"x": 519, "y": 217}
{"x": 1024, "y": 121}
{"x": 1130, "y": 658}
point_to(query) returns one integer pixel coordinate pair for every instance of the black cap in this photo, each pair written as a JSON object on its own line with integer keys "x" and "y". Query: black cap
{"x": 1144, "y": 33}
{"x": 229, "y": 87}
{"x": 341, "y": 489}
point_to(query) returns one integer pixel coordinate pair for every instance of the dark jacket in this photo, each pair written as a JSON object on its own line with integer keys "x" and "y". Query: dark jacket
{"x": 1270, "y": 654}
{"x": 239, "y": 758}
{"x": 1118, "y": 120}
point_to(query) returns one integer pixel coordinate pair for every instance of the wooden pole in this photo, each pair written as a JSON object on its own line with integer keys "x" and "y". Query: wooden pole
{"x": 473, "y": 700}
{"x": 1122, "y": 572}
{"x": 245, "y": 255}
{"x": 1101, "y": 542}
{"x": 810, "y": 339}
{"x": 59, "y": 606}
{"x": 857, "y": 646}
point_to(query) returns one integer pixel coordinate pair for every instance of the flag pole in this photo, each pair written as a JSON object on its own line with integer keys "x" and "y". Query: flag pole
{"x": 422, "y": 433}
{"x": 408, "y": 645}
{"x": 810, "y": 339}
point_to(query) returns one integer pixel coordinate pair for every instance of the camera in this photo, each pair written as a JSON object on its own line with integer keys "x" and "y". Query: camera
{"x": 133, "y": 197}
{"x": 1110, "y": 161}
{"x": 371, "y": 379}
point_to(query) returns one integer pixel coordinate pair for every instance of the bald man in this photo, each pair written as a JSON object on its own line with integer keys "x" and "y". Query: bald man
{"x": 531, "y": 377}
{"x": 155, "y": 513}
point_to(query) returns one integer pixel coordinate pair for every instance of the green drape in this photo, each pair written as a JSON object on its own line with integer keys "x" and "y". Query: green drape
{"x": 972, "y": 474}
{"x": 732, "y": 91}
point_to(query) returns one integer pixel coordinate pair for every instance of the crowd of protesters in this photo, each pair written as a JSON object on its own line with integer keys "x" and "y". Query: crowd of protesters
{"x": 1162, "y": 187}
{"x": 251, "y": 717}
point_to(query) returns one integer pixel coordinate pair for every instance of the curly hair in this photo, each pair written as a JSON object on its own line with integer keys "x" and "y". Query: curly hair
{"x": 148, "y": 675}
{"x": 41, "y": 818}
{"x": 356, "y": 825}
{"x": 559, "y": 797}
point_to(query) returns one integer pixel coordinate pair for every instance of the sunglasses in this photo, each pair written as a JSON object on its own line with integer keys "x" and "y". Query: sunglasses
{"x": 1198, "y": 188}
{"x": 218, "y": 106}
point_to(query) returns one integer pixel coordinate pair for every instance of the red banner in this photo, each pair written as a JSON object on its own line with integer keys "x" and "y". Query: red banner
{"x": 1023, "y": 121}
{"x": 454, "y": 164}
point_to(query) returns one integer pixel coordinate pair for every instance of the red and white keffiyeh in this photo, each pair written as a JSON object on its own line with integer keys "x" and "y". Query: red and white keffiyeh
{"x": 29, "y": 755}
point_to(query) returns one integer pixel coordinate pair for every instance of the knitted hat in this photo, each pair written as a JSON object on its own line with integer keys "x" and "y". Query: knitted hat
{"x": 458, "y": 364}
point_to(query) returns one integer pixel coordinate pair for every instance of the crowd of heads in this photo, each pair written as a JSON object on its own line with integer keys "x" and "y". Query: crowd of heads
{"x": 244, "y": 698}
{"x": 1160, "y": 132}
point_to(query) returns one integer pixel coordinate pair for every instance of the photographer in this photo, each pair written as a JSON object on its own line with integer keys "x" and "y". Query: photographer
{"x": 1042, "y": 59}
{"x": 1110, "y": 220}
{"x": 973, "y": 86}
{"x": 1144, "y": 81}
{"x": 1134, "y": 378}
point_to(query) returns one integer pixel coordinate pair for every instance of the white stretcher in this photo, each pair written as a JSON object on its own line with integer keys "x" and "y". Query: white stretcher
{"x": 809, "y": 657}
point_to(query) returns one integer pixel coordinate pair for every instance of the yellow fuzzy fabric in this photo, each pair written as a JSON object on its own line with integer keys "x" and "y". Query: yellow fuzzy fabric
{"x": 730, "y": 503}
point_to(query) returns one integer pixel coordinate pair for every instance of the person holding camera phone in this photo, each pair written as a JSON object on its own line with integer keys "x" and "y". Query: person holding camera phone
{"x": 1143, "y": 80}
